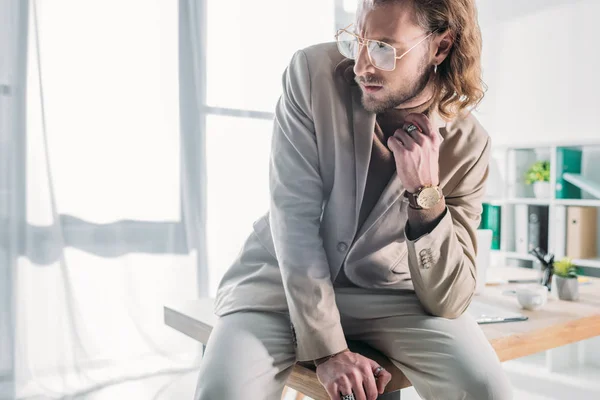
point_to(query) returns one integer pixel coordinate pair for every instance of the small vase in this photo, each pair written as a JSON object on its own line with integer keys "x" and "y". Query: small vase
{"x": 541, "y": 190}
{"x": 567, "y": 288}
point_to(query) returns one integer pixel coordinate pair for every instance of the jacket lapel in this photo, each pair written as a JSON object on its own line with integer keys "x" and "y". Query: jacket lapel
{"x": 364, "y": 127}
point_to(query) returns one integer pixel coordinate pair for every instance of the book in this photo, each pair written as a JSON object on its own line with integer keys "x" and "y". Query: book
{"x": 522, "y": 228}
{"x": 538, "y": 228}
{"x": 567, "y": 161}
{"x": 582, "y": 230}
{"x": 491, "y": 219}
{"x": 560, "y": 232}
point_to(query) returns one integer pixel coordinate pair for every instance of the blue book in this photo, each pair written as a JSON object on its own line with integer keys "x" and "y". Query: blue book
{"x": 491, "y": 219}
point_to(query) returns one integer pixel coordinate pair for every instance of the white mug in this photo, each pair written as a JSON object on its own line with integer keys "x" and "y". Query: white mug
{"x": 532, "y": 296}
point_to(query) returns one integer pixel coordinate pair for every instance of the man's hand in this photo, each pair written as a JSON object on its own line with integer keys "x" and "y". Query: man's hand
{"x": 348, "y": 373}
{"x": 416, "y": 153}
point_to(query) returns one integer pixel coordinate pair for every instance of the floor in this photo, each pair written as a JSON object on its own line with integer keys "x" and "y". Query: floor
{"x": 181, "y": 386}
{"x": 178, "y": 386}
{"x": 173, "y": 387}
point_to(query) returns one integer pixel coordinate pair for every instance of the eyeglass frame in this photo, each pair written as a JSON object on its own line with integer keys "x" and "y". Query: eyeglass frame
{"x": 362, "y": 41}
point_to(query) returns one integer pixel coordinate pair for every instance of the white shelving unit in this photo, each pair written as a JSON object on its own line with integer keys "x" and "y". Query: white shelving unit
{"x": 572, "y": 371}
{"x": 507, "y": 189}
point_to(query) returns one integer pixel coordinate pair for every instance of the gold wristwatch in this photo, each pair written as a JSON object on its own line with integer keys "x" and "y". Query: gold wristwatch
{"x": 425, "y": 197}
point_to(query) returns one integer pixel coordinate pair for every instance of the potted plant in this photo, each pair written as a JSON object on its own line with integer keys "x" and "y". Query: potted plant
{"x": 565, "y": 276}
{"x": 539, "y": 175}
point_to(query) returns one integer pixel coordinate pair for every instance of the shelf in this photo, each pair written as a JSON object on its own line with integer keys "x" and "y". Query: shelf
{"x": 553, "y": 144}
{"x": 519, "y": 256}
{"x": 529, "y": 200}
{"x": 592, "y": 263}
{"x": 544, "y": 202}
{"x": 494, "y": 202}
{"x": 578, "y": 202}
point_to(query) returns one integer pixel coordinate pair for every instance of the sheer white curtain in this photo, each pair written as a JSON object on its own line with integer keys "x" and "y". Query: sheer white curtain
{"x": 103, "y": 228}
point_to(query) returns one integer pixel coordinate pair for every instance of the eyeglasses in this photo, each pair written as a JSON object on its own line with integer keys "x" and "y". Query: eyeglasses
{"x": 382, "y": 55}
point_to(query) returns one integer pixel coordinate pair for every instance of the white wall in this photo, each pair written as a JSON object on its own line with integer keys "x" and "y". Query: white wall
{"x": 542, "y": 65}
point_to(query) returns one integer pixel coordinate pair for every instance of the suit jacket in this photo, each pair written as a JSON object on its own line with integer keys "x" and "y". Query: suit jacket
{"x": 320, "y": 153}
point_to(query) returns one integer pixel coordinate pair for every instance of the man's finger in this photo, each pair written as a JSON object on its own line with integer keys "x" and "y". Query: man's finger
{"x": 382, "y": 380}
{"x": 395, "y": 145}
{"x": 357, "y": 388}
{"x": 370, "y": 386}
{"x": 345, "y": 386}
{"x": 380, "y": 376}
{"x": 333, "y": 391}
{"x": 407, "y": 141}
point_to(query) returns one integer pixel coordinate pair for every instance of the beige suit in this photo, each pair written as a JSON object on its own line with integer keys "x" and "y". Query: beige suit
{"x": 320, "y": 155}
{"x": 321, "y": 146}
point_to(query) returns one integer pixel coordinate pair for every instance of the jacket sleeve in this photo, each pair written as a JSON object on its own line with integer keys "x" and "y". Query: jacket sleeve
{"x": 442, "y": 262}
{"x": 296, "y": 195}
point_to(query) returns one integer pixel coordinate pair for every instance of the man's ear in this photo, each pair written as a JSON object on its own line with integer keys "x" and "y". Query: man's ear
{"x": 442, "y": 46}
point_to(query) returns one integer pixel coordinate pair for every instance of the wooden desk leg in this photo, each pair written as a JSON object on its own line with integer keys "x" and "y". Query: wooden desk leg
{"x": 390, "y": 396}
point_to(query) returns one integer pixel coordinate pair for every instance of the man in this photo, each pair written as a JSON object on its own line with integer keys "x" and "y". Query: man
{"x": 376, "y": 177}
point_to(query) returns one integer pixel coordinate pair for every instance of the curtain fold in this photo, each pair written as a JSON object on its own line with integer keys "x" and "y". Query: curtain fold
{"x": 192, "y": 96}
{"x": 13, "y": 38}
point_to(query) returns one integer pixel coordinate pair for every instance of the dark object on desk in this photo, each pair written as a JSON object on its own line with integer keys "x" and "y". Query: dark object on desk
{"x": 547, "y": 261}
{"x": 523, "y": 281}
{"x": 499, "y": 319}
{"x": 537, "y": 227}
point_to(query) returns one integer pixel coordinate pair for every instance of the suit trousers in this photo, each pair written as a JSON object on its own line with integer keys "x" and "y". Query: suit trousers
{"x": 250, "y": 354}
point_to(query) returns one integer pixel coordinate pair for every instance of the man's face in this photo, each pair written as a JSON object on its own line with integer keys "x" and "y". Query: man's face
{"x": 394, "y": 24}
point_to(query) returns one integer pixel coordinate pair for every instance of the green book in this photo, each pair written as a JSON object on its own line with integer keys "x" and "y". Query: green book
{"x": 490, "y": 219}
{"x": 567, "y": 161}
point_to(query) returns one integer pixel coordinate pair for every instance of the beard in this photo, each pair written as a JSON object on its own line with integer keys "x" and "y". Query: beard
{"x": 398, "y": 97}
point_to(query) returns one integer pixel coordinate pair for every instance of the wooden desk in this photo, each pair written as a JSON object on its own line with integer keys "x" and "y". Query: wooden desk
{"x": 556, "y": 324}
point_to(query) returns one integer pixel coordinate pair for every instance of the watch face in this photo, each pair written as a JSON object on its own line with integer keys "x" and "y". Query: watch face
{"x": 428, "y": 197}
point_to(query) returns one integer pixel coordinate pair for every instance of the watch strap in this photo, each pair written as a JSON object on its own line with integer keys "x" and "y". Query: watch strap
{"x": 412, "y": 199}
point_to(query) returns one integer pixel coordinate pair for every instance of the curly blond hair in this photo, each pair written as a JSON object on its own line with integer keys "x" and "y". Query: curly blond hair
{"x": 459, "y": 87}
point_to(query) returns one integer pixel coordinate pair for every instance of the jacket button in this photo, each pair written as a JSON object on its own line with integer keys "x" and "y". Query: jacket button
{"x": 342, "y": 247}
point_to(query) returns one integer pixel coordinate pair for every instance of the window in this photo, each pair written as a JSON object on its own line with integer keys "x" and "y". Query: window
{"x": 245, "y": 60}
{"x": 111, "y": 100}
